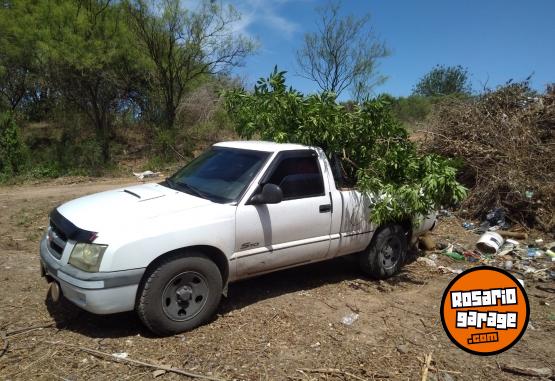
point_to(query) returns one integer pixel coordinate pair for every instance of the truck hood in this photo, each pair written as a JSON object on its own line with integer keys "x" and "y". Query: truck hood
{"x": 128, "y": 207}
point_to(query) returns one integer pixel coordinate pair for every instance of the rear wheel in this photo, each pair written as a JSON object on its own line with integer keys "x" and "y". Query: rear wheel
{"x": 386, "y": 253}
{"x": 179, "y": 294}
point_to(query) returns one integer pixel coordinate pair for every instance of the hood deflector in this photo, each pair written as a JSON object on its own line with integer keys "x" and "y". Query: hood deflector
{"x": 67, "y": 228}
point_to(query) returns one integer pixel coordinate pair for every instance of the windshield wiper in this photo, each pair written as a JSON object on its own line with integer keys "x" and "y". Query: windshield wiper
{"x": 193, "y": 190}
{"x": 170, "y": 182}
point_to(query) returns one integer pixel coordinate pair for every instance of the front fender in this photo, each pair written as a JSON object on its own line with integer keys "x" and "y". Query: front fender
{"x": 142, "y": 247}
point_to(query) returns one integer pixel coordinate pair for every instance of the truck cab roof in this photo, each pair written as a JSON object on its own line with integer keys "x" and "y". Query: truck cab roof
{"x": 259, "y": 145}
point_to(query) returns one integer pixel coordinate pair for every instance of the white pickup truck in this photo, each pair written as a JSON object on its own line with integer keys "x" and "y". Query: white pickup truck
{"x": 240, "y": 209}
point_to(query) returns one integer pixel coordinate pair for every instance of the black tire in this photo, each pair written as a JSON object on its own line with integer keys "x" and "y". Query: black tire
{"x": 179, "y": 294}
{"x": 386, "y": 253}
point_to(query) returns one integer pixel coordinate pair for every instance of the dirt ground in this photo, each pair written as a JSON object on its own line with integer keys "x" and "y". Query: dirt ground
{"x": 283, "y": 326}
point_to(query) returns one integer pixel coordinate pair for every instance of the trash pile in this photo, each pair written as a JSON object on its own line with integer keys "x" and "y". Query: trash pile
{"x": 498, "y": 244}
{"x": 504, "y": 141}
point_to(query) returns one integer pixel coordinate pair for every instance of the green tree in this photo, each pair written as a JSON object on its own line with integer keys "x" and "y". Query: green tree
{"x": 87, "y": 51}
{"x": 370, "y": 141}
{"x": 342, "y": 54}
{"x": 185, "y": 45}
{"x": 444, "y": 80}
{"x": 18, "y": 55}
{"x": 412, "y": 109}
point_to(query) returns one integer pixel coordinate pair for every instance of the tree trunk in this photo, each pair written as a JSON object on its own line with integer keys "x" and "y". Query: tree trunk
{"x": 105, "y": 140}
{"x": 169, "y": 113}
{"x": 102, "y": 128}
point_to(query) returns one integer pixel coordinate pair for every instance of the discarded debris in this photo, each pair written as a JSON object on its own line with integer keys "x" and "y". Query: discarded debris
{"x": 489, "y": 242}
{"x": 496, "y": 217}
{"x": 349, "y": 319}
{"x": 454, "y": 255}
{"x": 514, "y": 185}
{"x": 158, "y": 373}
{"x": 468, "y": 225}
{"x": 508, "y": 265}
{"x": 146, "y": 174}
{"x": 448, "y": 270}
{"x": 427, "y": 242}
{"x": 427, "y": 261}
{"x": 515, "y": 235}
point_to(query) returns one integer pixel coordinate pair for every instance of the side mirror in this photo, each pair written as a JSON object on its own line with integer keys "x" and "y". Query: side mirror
{"x": 270, "y": 194}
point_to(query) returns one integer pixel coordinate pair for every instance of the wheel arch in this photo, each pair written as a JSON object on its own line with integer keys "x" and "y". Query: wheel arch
{"x": 406, "y": 225}
{"x": 213, "y": 253}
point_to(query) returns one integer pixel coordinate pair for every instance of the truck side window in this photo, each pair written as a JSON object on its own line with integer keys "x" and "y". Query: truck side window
{"x": 298, "y": 177}
{"x": 343, "y": 180}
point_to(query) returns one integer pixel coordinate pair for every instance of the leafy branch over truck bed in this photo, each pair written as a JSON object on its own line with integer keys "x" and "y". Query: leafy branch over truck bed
{"x": 371, "y": 145}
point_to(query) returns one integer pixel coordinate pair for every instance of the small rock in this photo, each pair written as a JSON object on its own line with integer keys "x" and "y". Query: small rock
{"x": 403, "y": 348}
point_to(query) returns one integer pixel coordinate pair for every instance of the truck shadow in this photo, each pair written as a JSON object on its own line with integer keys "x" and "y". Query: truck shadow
{"x": 304, "y": 278}
{"x": 240, "y": 295}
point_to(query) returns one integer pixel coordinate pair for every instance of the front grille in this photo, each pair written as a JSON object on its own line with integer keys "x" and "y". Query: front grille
{"x": 56, "y": 241}
{"x": 58, "y": 231}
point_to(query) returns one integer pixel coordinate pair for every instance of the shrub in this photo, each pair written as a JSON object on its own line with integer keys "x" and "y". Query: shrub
{"x": 13, "y": 152}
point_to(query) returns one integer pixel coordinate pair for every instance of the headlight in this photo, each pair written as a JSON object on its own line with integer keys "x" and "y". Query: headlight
{"x": 87, "y": 257}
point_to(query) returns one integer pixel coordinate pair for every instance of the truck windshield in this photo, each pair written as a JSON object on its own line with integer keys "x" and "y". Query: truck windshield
{"x": 220, "y": 175}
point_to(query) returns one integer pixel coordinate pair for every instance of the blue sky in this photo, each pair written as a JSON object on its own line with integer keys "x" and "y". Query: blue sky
{"x": 495, "y": 39}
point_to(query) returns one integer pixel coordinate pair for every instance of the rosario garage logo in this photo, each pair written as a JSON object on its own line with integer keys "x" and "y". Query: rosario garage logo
{"x": 485, "y": 310}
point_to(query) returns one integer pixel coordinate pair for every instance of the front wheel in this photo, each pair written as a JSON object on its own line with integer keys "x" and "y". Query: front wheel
{"x": 386, "y": 253}
{"x": 179, "y": 294}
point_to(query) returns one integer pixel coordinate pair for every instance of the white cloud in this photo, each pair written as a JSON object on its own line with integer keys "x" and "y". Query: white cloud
{"x": 263, "y": 13}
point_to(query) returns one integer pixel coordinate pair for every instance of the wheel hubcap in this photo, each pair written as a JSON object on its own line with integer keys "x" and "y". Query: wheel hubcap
{"x": 390, "y": 253}
{"x": 184, "y": 296}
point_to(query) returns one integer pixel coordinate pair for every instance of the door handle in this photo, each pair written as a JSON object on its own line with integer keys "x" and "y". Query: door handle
{"x": 326, "y": 208}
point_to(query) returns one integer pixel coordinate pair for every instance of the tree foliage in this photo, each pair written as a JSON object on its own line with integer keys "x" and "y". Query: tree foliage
{"x": 411, "y": 110}
{"x": 112, "y": 61}
{"x": 19, "y": 78}
{"x": 94, "y": 64}
{"x": 183, "y": 45}
{"x": 370, "y": 141}
{"x": 444, "y": 80}
{"x": 13, "y": 151}
{"x": 342, "y": 54}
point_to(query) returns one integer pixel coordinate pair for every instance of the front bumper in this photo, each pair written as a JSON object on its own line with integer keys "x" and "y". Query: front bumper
{"x": 99, "y": 293}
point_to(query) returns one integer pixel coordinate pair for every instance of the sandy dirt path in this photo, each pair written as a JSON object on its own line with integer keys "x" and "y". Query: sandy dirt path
{"x": 283, "y": 326}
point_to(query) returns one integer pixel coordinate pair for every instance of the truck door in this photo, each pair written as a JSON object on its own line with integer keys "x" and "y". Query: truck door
{"x": 294, "y": 231}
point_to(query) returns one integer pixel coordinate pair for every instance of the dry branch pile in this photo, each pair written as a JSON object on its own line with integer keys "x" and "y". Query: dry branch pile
{"x": 505, "y": 140}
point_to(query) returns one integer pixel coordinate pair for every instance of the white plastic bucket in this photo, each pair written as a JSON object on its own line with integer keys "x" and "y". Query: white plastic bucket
{"x": 489, "y": 242}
